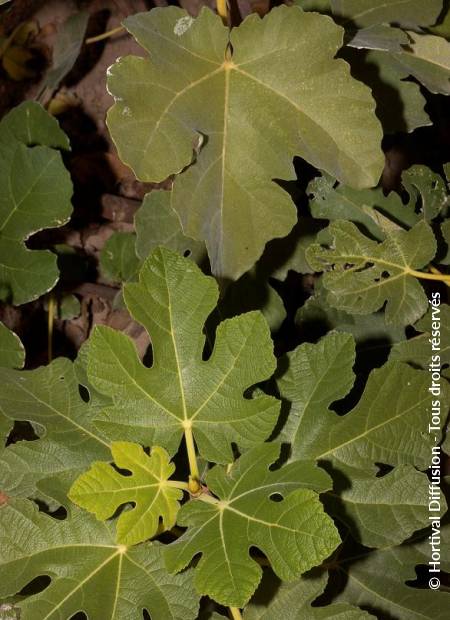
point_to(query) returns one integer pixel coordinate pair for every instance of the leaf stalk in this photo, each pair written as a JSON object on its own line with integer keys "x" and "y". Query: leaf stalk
{"x": 192, "y": 457}
{"x": 235, "y": 613}
{"x": 178, "y": 484}
{"x": 435, "y": 270}
{"x": 222, "y": 10}
{"x": 440, "y": 277}
{"x": 105, "y": 35}
{"x": 50, "y": 324}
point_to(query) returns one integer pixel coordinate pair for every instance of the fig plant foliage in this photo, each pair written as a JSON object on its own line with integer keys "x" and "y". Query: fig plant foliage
{"x": 268, "y": 456}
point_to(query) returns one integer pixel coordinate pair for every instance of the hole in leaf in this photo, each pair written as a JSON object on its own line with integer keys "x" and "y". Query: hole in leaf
{"x": 187, "y": 253}
{"x": 122, "y": 508}
{"x": 422, "y": 577}
{"x": 383, "y": 469}
{"x": 23, "y": 431}
{"x": 36, "y": 585}
{"x": 123, "y": 472}
{"x": 59, "y": 513}
{"x": 147, "y": 360}
{"x": 84, "y": 393}
{"x": 276, "y": 497}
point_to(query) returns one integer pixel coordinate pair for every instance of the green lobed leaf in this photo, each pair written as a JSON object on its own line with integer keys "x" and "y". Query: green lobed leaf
{"x": 294, "y": 533}
{"x": 88, "y": 571}
{"x": 66, "y": 48}
{"x": 403, "y": 12}
{"x": 321, "y": 6}
{"x": 383, "y": 511}
{"x": 102, "y": 490}
{"x": 12, "y": 352}
{"x": 387, "y": 425}
{"x": 293, "y": 601}
{"x": 418, "y": 351}
{"x": 118, "y": 260}
{"x": 427, "y": 191}
{"x": 35, "y": 192}
{"x": 376, "y": 213}
{"x": 69, "y": 307}
{"x": 316, "y": 376}
{"x": 31, "y": 124}
{"x": 252, "y": 101}
{"x": 362, "y": 275}
{"x": 379, "y": 581}
{"x": 283, "y": 255}
{"x": 442, "y": 29}
{"x": 427, "y": 58}
{"x": 379, "y": 37}
{"x": 157, "y": 224}
{"x": 400, "y": 105}
{"x": 49, "y": 398}
{"x": 445, "y": 231}
{"x": 316, "y": 317}
{"x": 181, "y": 391}
{"x": 253, "y": 292}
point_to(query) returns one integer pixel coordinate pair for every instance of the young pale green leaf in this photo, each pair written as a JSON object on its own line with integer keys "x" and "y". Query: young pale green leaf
{"x": 362, "y": 275}
{"x": 294, "y": 533}
{"x": 389, "y": 425}
{"x": 49, "y": 398}
{"x": 257, "y": 118}
{"x": 102, "y": 490}
{"x": 418, "y": 351}
{"x": 181, "y": 392}
{"x": 293, "y": 601}
{"x": 12, "y": 352}
{"x": 157, "y": 224}
{"x": 379, "y": 581}
{"x": 317, "y": 375}
{"x": 407, "y": 13}
{"x": 35, "y": 193}
{"x": 427, "y": 58}
{"x": 118, "y": 260}
{"x": 382, "y": 512}
{"x": 88, "y": 571}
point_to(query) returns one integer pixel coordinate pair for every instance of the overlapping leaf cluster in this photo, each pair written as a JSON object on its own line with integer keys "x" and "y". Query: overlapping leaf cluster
{"x": 235, "y": 509}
